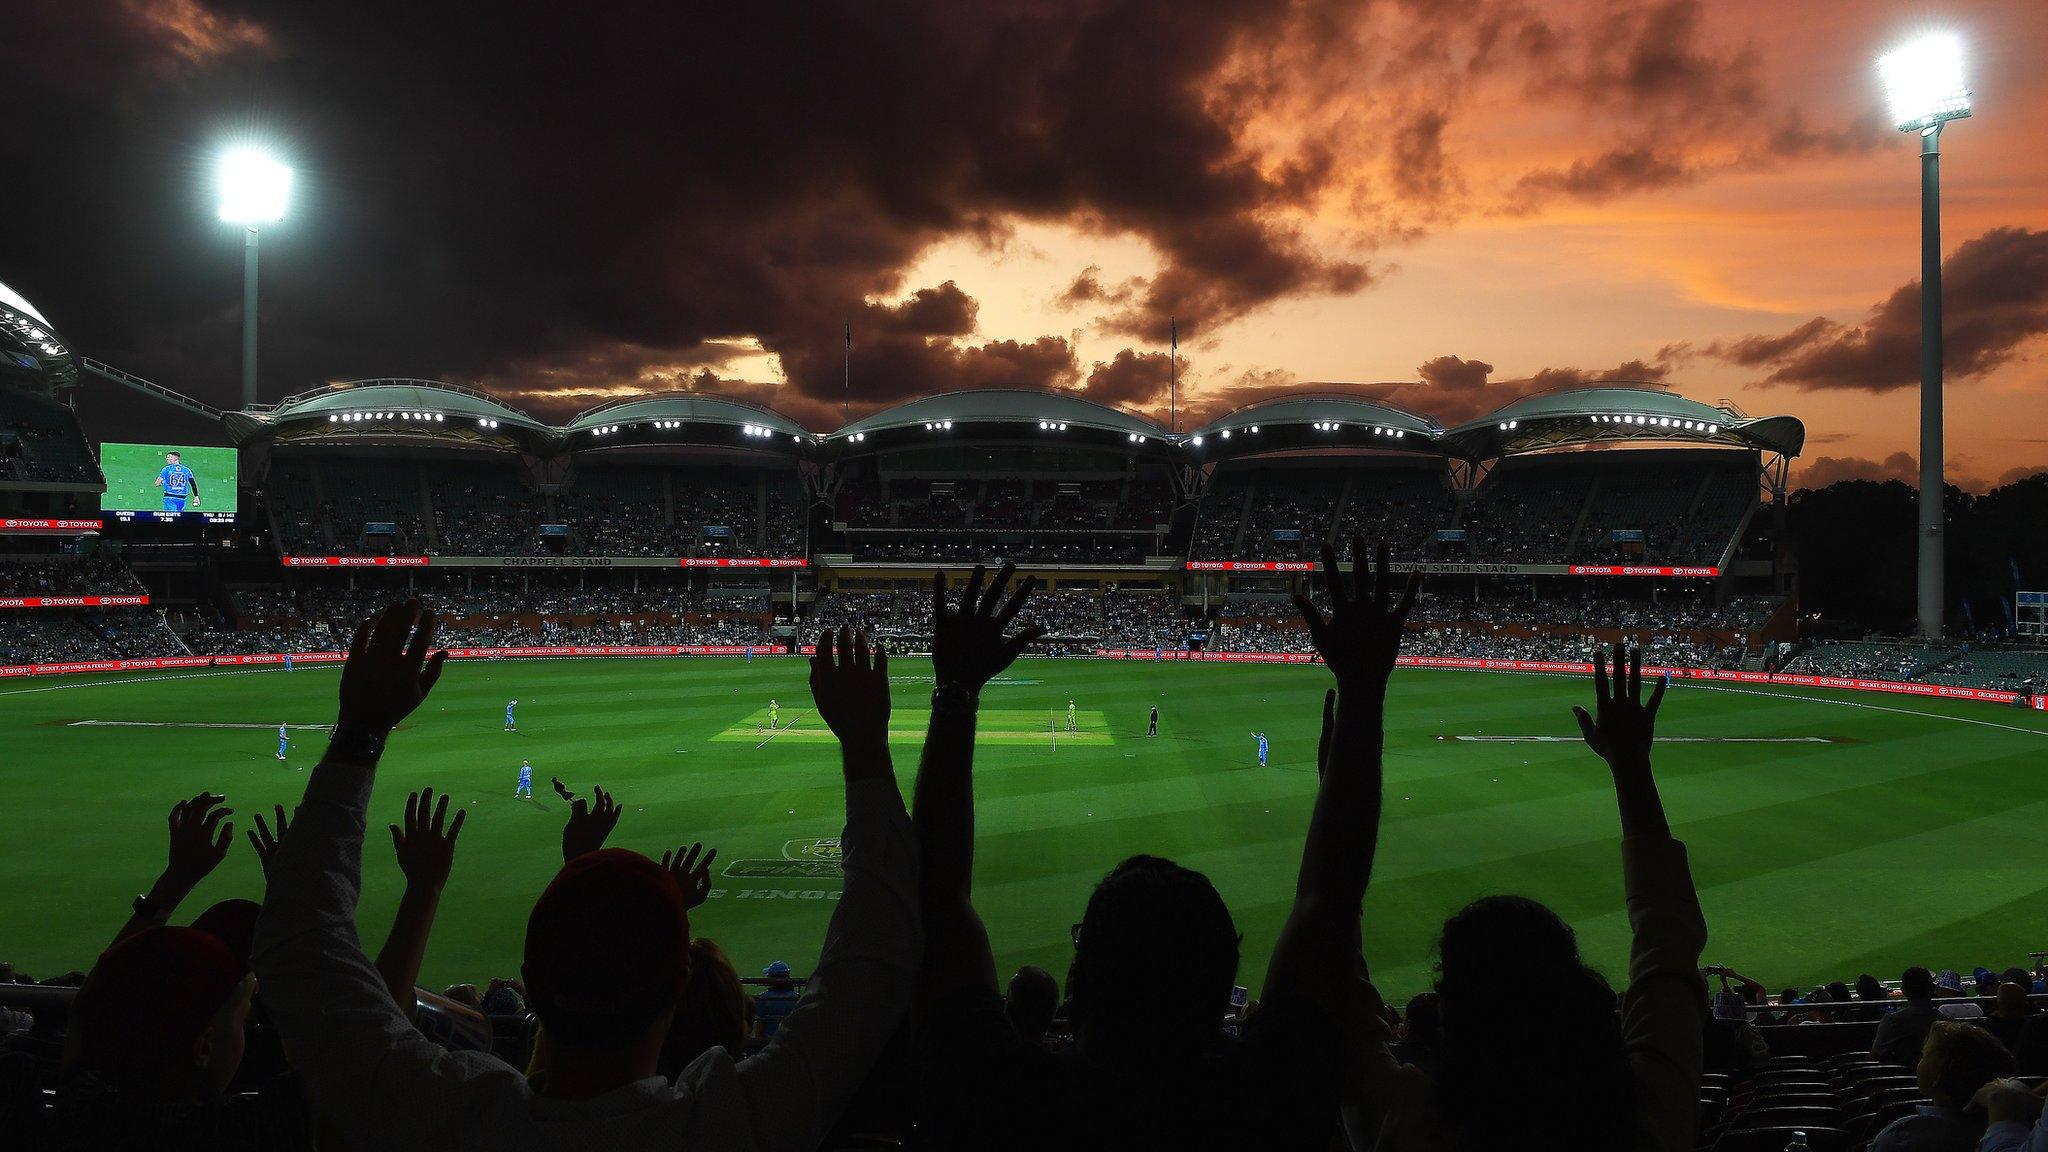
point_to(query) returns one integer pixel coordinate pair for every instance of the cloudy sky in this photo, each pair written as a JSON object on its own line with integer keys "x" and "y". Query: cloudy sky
{"x": 1444, "y": 203}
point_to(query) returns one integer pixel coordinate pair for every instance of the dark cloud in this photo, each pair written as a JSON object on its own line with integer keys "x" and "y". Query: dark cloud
{"x": 640, "y": 177}
{"x": 1131, "y": 380}
{"x": 1629, "y": 168}
{"x": 1995, "y": 298}
{"x": 1904, "y": 467}
{"x": 1822, "y": 471}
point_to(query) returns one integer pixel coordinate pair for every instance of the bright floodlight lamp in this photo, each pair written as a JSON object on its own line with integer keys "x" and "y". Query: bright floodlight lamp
{"x": 254, "y": 188}
{"x": 1923, "y": 81}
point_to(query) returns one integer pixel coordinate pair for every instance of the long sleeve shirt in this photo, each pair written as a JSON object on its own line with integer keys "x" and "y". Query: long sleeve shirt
{"x": 1661, "y": 1016}
{"x": 367, "y": 1070}
{"x": 2012, "y": 1136}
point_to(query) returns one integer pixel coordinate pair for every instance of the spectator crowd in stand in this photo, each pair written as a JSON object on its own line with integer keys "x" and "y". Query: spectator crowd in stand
{"x": 97, "y": 573}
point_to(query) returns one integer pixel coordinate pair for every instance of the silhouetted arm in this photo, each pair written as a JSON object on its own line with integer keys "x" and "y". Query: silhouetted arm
{"x": 1320, "y": 943}
{"x": 426, "y": 853}
{"x": 968, "y": 649}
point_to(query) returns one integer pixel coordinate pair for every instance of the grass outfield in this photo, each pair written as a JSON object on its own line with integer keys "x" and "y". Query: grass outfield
{"x": 1909, "y": 832}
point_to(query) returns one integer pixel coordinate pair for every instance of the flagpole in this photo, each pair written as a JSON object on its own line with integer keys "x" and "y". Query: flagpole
{"x": 1173, "y": 363}
{"x": 846, "y": 373}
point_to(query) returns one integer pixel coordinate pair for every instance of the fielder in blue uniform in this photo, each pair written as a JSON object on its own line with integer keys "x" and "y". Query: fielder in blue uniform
{"x": 287, "y": 661}
{"x": 178, "y": 483}
{"x": 1261, "y": 736}
{"x": 509, "y": 725}
{"x": 525, "y": 781}
{"x": 283, "y": 741}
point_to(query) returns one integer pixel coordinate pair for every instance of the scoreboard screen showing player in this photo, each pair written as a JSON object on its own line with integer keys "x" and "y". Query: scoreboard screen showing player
{"x": 169, "y": 483}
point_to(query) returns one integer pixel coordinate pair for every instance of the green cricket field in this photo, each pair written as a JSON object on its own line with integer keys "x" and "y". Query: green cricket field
{"x": 1831, "y": 833}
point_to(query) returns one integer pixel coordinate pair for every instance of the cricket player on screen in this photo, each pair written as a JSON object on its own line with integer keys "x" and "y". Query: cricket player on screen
{"x": 180, "y": 486}
{"x": 1261, "y": 737}
{"x": 1072, "y": 723}
{"x": 774, "y": 715}
{"x": 510, "y": 726}
{"x": 525, "y": 781}
{"x": 283, "y": 741}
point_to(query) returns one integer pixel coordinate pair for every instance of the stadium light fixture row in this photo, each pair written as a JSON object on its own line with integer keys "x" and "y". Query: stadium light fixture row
{"x": 944, "y": 425}
{"x": 1677, "y": 424}
{"x": 1134, "y": 438}
{"x": 1052, "y": 426}
{"x": 419, "y": 417}
{"x": 486, "y": 422}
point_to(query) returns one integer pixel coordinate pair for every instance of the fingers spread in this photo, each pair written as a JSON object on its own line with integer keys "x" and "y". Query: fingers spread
{"x": 1331, "y": 581}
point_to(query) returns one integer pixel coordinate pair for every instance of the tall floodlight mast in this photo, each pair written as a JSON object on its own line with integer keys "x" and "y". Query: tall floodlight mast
{"x": 1923, "y": 81}
{"x": 254, "y": 188}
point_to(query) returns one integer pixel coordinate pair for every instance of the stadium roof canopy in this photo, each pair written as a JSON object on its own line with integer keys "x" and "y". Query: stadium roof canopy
{"x": 392, "y": 412}
{"x": 31, "y": 352}
{"x": 1294, "y": 423}
{"x": 1006, "y": 413}
{"x": 687, "y": 418}
{"x": 1618, "y": 414}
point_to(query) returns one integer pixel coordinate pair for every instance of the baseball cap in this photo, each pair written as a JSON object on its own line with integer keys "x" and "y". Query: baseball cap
{"x": 150, "y": 997}
{"x": 778, "y": 968}
{"x": 607, "y": 945}
{"x": 233, "y": 923}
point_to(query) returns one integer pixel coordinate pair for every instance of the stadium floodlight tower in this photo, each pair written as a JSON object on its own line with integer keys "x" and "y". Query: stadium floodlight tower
{"x": 254, "y": 187}
{"x": 1923, "y": 81}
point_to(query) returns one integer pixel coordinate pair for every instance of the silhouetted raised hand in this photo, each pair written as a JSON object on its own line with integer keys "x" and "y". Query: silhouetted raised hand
{"x": 264, "y": 841}
{"x": 426, "y": 843}
{"x": 589, "y": 825}
{"x": 200, "y": 835}
{"x": 850, "y": 684}
{"x": 692, "y": 871}
{"x": 1362, "y": 634}
{"x": 968, "y": 645}
{"x": 1622, "y": 727}
{"x": 389, "y": 671}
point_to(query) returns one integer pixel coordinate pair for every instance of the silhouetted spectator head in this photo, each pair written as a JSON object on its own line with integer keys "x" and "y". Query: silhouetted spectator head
{"x": 607, "y": 952}
{"x": 1526, "y": 1024}
{"x": 1425, "y": 1021}
{"x": 1154, "y": 958}
{"x": 1788, "y": 996}
{"x": 162, "y": 1015}
{"x": 1031, "y": 1002}
{"x": 2017, "y": 975}
{"x": 1957, "y": 1060}
{"x": 715, "y": 1012}
{"x": 2012, "y": 1002}
{"x": 1869, "y": 987}
{"x": 1838, "y": 992}
{"x": 1986, "y": 981}
{"x": 504, "y": 1000}
{"x": 467, "y": 995}
{"x": 1917, "y": 983}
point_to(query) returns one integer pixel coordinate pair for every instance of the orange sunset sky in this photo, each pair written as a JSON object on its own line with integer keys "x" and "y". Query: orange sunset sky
{"x": 1453, "y": 201}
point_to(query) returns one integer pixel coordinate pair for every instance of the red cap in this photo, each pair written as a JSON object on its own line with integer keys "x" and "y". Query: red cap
{"x": 608, "y": 943}
{"x": 233, "y": 922}
{"x": 150, "y": 998}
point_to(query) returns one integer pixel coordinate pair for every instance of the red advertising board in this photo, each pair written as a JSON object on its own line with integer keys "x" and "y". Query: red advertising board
{"x": 73, "y": 601}
{"x": 1907, "y": 688}
{"x": 357, "y": 561}
{"x": 32, "y": 524}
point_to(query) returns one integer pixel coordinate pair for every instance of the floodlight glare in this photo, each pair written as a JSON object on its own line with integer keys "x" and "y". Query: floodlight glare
{"x": 253, "y": 187}
{"x": 1923, "y": 81}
